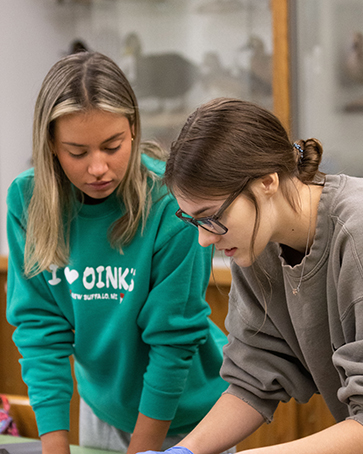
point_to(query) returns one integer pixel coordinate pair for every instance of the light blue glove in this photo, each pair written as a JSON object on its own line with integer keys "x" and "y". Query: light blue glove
{"x": 174, "y": 450}
{"x": 179, "y": 450}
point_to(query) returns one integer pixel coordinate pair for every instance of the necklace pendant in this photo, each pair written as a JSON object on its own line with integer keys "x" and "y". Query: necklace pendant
{"x": 295, "y": 291}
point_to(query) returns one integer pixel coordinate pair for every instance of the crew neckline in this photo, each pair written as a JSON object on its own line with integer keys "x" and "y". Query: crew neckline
{"x": 107, "y": 206}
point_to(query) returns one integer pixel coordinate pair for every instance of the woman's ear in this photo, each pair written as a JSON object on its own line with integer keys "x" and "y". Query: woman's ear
{"x": 269, "y": 184}
{"x": 53, "y": 148}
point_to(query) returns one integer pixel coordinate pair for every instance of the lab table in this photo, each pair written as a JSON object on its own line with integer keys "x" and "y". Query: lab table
{"x": 13, "y": 446}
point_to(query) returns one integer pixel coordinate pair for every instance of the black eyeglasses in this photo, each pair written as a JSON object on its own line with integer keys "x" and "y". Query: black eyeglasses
{"x": 211, "y": 223}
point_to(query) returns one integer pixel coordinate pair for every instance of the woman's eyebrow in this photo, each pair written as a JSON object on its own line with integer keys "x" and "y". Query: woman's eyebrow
{"x": 110, "y": 139}
{"x": 73, "y": 144}
{"x": 202, "y": 210}
{"x": 114, "y": 137}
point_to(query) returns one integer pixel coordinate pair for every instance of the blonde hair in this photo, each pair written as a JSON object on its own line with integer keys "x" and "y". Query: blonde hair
{"x": 79, "y": 83}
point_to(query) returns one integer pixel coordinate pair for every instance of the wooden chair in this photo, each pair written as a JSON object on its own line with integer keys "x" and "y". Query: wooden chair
{"x": 23, "y": 415}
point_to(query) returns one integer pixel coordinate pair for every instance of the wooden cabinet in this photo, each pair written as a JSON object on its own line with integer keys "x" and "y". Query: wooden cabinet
{"x": 9, "y": 356}
{"x": 10, "y": 370}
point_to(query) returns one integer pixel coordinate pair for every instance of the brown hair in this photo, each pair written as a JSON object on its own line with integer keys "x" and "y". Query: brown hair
{"x": 227, "y": 143}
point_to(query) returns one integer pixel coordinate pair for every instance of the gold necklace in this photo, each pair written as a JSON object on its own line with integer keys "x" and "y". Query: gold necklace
{"x": 296, "y": 290}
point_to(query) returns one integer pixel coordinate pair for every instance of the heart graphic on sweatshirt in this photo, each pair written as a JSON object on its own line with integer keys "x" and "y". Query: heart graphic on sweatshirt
{"x": 71, "y": 275}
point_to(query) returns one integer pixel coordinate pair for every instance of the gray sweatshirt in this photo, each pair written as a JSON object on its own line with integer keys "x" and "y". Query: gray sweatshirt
{"x": 311, "y": 342}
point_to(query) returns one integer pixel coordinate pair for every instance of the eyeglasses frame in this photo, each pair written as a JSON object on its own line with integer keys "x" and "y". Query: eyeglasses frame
{"x": 214, "y": 218}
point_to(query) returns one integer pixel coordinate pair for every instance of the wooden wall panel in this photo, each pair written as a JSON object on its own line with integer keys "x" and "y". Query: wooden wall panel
{"x": 10, "y": 380}
{"x": 10, "y": 370}
{"x": 281, "y": 61}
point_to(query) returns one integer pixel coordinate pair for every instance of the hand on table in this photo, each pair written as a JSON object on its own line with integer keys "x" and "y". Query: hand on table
{"x": 174, "y": 450}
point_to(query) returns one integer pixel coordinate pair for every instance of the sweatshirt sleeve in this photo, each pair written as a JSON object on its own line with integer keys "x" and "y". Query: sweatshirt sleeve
{"x": 174, "y": 320}
{"x": 43, "y": 334}
{"x": 260, "y": 366}
{"x": 346, "y": 288}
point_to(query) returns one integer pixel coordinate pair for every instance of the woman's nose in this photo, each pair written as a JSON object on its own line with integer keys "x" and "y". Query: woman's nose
{"x": 98, "y": 165}
{"x": 207, "y": 238}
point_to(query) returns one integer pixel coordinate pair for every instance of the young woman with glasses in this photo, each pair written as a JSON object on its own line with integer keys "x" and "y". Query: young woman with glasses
{"x": 100, "y": 269}
{"x": 295, "y": 239}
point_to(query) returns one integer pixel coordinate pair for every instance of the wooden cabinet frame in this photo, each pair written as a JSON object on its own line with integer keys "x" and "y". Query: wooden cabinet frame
{"x": 281, "y": 61}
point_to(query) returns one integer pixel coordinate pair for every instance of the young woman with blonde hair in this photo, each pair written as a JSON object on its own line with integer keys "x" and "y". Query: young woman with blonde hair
{"x": 100, "y": 269}
{"x": 295, "y": 239}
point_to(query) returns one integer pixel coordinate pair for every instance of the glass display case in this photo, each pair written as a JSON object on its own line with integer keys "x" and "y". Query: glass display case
{"x": 179, "y": 54}
{"x": 328, "y": 80}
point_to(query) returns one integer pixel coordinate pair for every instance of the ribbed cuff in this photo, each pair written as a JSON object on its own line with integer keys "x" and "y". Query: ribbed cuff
{"x": 51, "y": 418}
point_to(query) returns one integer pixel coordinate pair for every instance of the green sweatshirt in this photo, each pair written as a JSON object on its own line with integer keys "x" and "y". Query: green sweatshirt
{"x": 137, "y": 324}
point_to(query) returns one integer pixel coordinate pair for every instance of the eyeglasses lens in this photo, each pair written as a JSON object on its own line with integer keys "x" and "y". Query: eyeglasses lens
{"x": 207, "y": 224}
{"x": 212, "y": 226}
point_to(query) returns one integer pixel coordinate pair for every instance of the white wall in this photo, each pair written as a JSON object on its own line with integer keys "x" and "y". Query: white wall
{"x": 33, "y": 35}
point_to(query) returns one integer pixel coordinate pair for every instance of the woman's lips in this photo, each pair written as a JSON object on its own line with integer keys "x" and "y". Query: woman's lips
{"x": 230, "y": 252}
{"x": 100, "y": 184}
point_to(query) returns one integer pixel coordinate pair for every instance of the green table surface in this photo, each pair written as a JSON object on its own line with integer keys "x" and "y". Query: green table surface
{"x": 8, "y": 439}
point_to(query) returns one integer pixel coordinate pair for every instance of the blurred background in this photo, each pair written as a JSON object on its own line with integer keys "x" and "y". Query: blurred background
{"x": 301, "y": 58}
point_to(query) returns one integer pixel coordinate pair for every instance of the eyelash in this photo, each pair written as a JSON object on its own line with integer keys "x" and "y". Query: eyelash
{"x": 77, "y": 156}
{"x": 108, "y": 150}
{"x": 113, "y": 150}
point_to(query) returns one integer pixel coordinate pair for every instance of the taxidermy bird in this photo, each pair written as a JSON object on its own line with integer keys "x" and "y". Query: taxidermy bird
{"x": 218, "y": 80}
{"x": 354, "y": 58}
{"x": 352, "y": 70}
{"x": 164, "y": 76}
{"x": 220, "y": 6}
{"x": 260, "y": 66}
{"x": 77, "y": 46}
